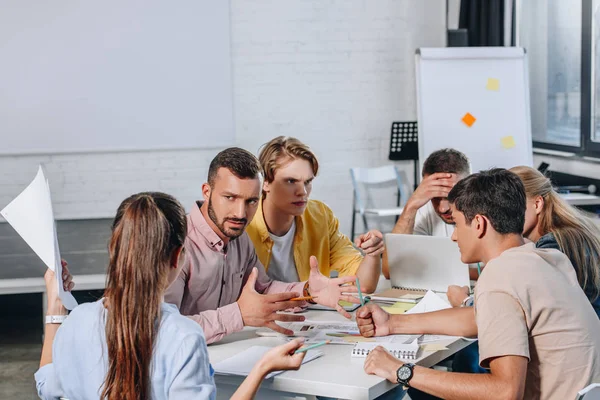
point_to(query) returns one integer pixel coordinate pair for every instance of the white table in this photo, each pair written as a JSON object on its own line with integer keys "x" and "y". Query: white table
{"x": 336, "y": 374}
{"x": 581, "y": 199}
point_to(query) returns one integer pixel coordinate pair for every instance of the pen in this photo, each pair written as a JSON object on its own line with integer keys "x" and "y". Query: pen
{"x": 312, "y": 346}
{"x": 360, "y": 296}
{"x": 304, "y": 298}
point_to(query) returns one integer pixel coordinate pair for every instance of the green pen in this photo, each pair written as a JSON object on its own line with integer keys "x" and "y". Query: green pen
{"x": 360, "y": 296}
{"x": 312, "y": 346}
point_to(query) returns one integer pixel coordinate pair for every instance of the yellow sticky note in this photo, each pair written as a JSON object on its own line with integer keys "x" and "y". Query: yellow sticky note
{"x": 508, "y": 142}
{"x": 433, "y": 347}
{"x": 398, "y": 307}
{"x": 493, "y": 84}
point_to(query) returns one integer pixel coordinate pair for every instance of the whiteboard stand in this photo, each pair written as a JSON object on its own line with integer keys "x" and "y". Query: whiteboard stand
{"x": 404, "y": 144}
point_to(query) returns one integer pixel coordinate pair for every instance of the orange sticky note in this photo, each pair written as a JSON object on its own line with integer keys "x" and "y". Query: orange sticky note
{"x": 469, "y": 120}
{"x": 493, "y": 84}
{"x": 508, "y": 142}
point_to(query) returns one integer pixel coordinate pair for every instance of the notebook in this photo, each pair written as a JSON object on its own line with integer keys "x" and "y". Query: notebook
{"x": 419, "y": 263}
{"x": 241, "y": 364}
{"x": 403, "y": 351}
{"x": 395, "y": 295}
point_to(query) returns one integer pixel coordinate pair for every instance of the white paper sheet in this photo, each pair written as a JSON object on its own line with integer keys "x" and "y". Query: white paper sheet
{"x": 31, "y": 215}
{"x": 242, "y": 363}
{"x": 430, "y": 302}
{"x": 339, "y": 333}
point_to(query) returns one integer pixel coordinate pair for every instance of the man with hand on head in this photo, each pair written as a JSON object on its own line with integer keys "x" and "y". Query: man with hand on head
{"x": 223, "y": 286}
{"x": 427, "y": 211}
{"x": 289, "y": 227}
{"x": 538, "y": 333}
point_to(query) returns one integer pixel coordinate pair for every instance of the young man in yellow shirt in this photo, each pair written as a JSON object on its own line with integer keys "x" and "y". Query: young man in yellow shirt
{"x": 288, "y": 227}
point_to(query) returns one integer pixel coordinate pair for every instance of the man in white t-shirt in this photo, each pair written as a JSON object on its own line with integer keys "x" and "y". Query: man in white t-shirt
{"x": 427, "y": 211}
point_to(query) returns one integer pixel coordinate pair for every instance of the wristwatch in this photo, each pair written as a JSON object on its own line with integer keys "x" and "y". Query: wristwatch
{"x": 405, "y": 374}
{"x": 467, "y": 302}
{"x": 55, "y": 319}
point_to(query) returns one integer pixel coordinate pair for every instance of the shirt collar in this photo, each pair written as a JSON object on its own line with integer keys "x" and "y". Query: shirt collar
{"x": 201, "y": 226}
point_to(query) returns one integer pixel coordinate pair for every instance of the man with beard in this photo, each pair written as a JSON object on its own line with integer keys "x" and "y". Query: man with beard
{"x": 223, "y": 286}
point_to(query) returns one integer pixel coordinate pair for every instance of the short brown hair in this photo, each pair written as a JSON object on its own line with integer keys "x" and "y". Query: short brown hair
{"x": 446, "y": 160}
{"x": 282, "y": 146}
{"x": 240, "y": 162}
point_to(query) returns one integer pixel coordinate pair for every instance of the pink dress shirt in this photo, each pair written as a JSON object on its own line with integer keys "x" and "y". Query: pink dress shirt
{"x": 213, "y": 276}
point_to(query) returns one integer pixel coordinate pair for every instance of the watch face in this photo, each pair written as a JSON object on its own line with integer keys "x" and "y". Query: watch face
{"x": 404, "y": 373}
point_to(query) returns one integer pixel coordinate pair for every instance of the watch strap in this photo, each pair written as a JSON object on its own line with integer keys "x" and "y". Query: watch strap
{"x": 306, "y": 293}
{"x": 55, "y": 319}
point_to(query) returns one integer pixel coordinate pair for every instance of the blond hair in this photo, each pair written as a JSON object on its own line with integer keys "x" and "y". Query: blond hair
{"x": 273, "y": 154}
{"x": 576, "y": 234}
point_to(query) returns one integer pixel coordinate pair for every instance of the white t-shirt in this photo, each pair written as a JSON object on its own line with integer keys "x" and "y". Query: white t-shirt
{"x": 282, "y": 266}
{"x": 428, "y": 223}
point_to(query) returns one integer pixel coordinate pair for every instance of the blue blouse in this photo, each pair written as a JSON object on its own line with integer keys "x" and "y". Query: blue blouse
{"x": 179, "y": 368}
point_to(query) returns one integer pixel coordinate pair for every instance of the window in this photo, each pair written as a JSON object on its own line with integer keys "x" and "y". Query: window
{"x": 562, "y": 39}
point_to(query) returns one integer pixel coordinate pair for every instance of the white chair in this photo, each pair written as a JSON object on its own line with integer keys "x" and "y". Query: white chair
{"x": 592, "y": 392}
{"x": 362, "y": 199}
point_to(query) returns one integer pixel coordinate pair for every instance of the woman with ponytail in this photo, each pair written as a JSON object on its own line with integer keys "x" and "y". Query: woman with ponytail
{"x": 130, "y": 344}
{"x": 552, "y": 223}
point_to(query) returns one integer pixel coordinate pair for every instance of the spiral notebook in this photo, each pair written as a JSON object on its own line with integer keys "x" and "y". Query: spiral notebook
{"x": 420, "y": 263}
{"x": 402, "y": 351}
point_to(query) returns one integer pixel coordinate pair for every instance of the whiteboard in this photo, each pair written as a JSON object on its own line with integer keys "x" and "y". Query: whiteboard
{"x": 84, "y": 76}
{"x": 489, "y": 83}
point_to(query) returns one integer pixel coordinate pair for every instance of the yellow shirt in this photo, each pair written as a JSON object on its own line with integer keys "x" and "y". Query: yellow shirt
{"x": 317, "y": 234}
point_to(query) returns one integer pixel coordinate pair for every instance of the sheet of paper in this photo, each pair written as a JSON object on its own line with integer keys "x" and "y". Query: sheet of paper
{"x": 493, "y": 84}
{"x": 338, "y": 333}
{"x": 430, "y": 302}
{"x": 242, "y": 363}
{"x": 31, "y": 215}
{"x": 508, "y": 142}
{"x": 435, "y": 338}
{"x": 398, "y": 307}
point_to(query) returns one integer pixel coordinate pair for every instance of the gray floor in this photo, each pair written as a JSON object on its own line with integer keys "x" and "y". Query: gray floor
{"x": 83, "y": 244}
{"x": 21, "y": 341}
{"x": 20, "y": 345}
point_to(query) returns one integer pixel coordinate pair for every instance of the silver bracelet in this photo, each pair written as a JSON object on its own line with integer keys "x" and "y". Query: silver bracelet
{"x": 55, "y": 319}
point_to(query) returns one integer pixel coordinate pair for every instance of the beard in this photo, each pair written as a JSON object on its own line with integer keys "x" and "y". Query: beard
{"x": 230, "y": 233}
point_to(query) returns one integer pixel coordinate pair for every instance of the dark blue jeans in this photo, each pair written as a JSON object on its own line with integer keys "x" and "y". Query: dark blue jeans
{"x": 466, "y": 360}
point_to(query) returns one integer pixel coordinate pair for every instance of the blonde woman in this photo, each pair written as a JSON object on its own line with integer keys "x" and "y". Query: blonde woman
{"x": 552, "y": 223}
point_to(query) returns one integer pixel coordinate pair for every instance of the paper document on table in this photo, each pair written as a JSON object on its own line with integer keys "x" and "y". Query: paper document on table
{"x": 430, "y": 302}
{"x": 242, "y": 363}
{"x": 31, "y": 215}
{"x": 339, "y": 333}
{"x": 436, "y": 338}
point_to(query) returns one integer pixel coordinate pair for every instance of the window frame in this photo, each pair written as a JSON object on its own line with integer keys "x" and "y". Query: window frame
{"x": 587, "y": 147}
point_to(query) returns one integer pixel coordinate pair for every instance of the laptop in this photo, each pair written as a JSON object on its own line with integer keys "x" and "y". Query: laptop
{"x": 420, "y": 262}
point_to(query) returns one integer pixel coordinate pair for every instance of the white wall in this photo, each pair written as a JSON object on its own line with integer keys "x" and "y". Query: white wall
{"x": 333, "y": 73}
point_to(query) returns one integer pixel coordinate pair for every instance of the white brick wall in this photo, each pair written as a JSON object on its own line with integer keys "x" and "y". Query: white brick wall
{"x": 335, "y": 74}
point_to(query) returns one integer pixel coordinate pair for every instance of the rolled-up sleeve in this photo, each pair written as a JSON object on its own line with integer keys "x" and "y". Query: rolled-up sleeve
{"x": 46, "y": 383}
